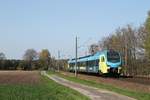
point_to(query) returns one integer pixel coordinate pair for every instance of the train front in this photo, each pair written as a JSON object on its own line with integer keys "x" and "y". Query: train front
{"x": 113, "y": 62}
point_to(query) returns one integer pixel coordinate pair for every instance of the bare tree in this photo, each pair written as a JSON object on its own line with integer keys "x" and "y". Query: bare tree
{"x": 124, "y": 40}
{"x": 2, "y": 60}
{"x": 2, "y": 56}
{"x": 29, "y": 56}
{"x": 93, "y": 49}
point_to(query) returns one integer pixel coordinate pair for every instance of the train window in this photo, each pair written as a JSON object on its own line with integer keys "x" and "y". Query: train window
{"x": 88, "y": 63}
{"x": 81, "y": 64}
{"x": 97, "y": 62}
{"x": 102, "y": 59}
{"x": 70, "y": 64}
{"x": 84, "y": 63}
{"x": 113, "y": 56}
{"x": 91, "y": 63}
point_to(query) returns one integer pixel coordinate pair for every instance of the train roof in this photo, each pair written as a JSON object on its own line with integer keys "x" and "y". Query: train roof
{"x": 89, "y": 57}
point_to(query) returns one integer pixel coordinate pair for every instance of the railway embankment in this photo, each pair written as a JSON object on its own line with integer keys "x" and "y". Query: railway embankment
{"x": 131, "y": 89}
{"x": 134, "y": 84}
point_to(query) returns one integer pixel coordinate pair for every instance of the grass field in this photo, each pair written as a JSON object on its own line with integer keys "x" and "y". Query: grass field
{"x": 37, "y": 87}
{"x": 134, "y": 94}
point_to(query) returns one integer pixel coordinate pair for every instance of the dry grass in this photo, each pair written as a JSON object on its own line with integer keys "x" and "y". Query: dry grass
{"x": 19, "y": 77}
{"x": 121, "y": 87}
{"x": 115, "y": 82}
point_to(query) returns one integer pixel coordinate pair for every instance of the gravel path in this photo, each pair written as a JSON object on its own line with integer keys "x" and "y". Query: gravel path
{"x": 91, "y": 92}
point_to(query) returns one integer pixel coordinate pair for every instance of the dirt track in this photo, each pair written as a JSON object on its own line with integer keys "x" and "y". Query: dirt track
{"x": 115, "y": 82}
{"x": 19, "y": 77}
{"x": 91, "y": 92}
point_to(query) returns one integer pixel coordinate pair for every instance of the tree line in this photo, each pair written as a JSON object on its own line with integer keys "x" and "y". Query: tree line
{"x": 133, "y": 43}
{"x": 32, "y": 60}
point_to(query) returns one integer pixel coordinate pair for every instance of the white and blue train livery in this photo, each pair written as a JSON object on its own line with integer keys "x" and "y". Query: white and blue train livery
{"x": 107, "y": 61}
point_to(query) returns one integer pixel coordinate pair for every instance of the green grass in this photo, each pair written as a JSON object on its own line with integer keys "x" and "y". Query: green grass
{"x": 130, "y": 93}
{"x": 46, "y": 90}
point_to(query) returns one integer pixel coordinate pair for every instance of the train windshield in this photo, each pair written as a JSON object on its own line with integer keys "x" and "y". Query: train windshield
{"x": 113, "y": 56}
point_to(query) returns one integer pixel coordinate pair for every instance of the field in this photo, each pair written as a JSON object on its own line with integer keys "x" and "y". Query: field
{"x": 30, "y": 85}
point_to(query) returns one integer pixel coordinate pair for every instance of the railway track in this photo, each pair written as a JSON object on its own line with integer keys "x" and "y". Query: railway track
{"x": 139, "y": 80}
{"x": 137, "y": 84}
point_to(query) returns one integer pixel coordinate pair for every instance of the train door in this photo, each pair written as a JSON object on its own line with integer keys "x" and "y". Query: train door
{"x": 102, "y": 64}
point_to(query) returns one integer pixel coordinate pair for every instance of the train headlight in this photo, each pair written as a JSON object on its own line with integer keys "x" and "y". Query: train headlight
{"x": 108, "y": 67}
{"x": 119, "y": 69}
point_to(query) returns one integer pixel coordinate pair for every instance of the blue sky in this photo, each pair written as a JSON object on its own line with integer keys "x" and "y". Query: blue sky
{"x": 53, "y": 24}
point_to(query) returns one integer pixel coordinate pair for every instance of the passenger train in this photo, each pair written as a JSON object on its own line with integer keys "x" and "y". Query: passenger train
{"x": 102, "y": 62}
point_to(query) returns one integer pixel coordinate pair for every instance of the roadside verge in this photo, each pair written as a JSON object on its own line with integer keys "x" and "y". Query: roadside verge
{"x": 92, "y": 92}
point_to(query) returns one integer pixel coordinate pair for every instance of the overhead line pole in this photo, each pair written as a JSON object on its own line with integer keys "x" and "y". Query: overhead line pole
{"x": 76, "y": 46}
{"x": 58, "y": 59}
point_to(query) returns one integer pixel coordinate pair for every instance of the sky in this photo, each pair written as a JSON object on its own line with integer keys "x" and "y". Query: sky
{"x": 54, "y": 24}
